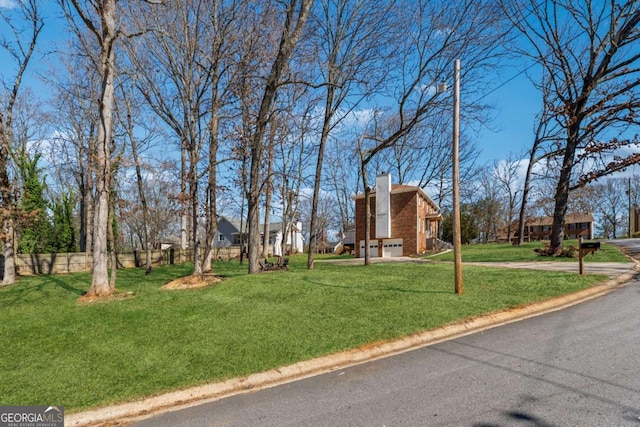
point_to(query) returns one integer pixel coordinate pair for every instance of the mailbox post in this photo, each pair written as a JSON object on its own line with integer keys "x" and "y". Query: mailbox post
{"x": 584, "y": 249}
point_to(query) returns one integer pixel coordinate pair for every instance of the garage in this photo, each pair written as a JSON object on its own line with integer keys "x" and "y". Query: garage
{"x": 373, "y": 248}
{"x": 391, "y": 248}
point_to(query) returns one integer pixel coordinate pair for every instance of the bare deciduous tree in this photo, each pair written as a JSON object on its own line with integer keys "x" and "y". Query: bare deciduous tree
{"x": 99, "y": 19}
{"x": 505, "y": 173}
{"x": 20, "y": 51}
{"x": 589, "y": 52}
{"x": 181, "y": 67}
{"x": 295, "y": 17}
{"x": 352, "y": 37}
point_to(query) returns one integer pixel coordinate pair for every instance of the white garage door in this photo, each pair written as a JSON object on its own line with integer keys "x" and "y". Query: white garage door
{"x": 391, "y": 248}
{"x": 373, "y": 248}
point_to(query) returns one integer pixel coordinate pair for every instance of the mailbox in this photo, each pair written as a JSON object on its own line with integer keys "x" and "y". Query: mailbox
{"x": 586, "y": 248}
{"x": 590, "y": 245}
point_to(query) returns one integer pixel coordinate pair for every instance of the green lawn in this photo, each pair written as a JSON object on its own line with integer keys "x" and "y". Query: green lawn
{"x": 55, "y": 351}
{"x": 504, "y": 252}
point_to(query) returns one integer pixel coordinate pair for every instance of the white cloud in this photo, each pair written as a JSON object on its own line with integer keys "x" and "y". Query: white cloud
{"x": 8, "y": 4}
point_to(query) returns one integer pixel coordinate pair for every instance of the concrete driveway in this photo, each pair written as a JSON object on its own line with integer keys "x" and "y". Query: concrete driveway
{"x": 610, "y": 269}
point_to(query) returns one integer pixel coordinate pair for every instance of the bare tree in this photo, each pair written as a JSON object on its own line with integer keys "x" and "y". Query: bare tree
{"x": 181, "y": 67}
{"x": 341, "y": 182}
{"x": 612, "y": 207}
{"x": 352, "y": 37}
{"x": 20, "y": 51}
{"x": 294, "y": 153}
{"x": 74, "y": 142}
{"x": 544, "y": 132}
{"x": 129, "y": 125}
{"x": 488, "y": 202}
{"x": 295, "y": 17}
{"x": 99, "y": 19}
{"x": 506, "y": 173}
{"x": 588, "y": 50}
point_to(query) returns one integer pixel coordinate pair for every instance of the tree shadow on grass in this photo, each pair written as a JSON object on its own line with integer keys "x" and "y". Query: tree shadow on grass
{"x": 32, "y": 291}
{"x": 368, "y": 288}
{"x": 66, "y": 286}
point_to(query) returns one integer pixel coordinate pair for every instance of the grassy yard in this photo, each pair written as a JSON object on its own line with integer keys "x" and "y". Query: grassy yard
{"x": 55, "y": 351}
{"x": 504, "y": 252}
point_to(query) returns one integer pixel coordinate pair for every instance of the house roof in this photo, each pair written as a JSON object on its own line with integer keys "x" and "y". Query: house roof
{"x": 401, "y": 188}
{"x": 233, "y": 222}
{"x": 274, "y": 227}
{"x": 568, "y": 219}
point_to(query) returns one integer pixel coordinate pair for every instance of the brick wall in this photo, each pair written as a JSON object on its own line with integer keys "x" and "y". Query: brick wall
{"x": 404, "y": 221}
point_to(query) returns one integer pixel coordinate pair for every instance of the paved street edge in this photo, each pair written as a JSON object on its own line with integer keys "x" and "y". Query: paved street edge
{"x": 126, "y": 413}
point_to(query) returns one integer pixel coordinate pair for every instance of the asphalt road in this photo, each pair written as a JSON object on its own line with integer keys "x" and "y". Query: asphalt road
{"x": 631, "y": 247}
{"x": 575, "y": 367}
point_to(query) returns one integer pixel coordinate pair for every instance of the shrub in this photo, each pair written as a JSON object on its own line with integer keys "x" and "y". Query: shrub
{"x": 564, "y": 252}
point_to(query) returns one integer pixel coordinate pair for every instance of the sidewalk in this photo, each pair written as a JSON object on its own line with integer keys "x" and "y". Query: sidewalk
{"x": 130, "y": 412}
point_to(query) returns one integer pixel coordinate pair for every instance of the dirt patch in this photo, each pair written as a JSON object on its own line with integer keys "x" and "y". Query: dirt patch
{"x": 192, "y": 282}
{"x": 116, "y": 296}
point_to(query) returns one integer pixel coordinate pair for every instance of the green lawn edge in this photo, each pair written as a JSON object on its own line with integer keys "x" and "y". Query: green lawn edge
{"x": 504, "y": 252}
{"x": 56, "y": 351}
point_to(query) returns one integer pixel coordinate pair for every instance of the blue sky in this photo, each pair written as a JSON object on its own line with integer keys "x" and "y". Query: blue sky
{"x": 516, "y": 103}
{"x": 513, "y": 96}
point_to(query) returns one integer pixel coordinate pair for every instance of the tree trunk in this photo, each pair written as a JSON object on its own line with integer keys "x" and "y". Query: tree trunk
{"x": 184, "y": 217}
{"x": 212, "y": 212}
{"x": 195, "y": 241}
{"x": 268, "y": 192}
{"x": 328, "y": 109}
{"x": 111, "y": 239}
{"x": 100, "y": 285}
{"x": 22, "y": 53}
{"x": 6, "y": 193}
{"x": 525, "y": 195}
{"x": 562, "y": 195}
{"x": 8, "y": 251}
{"x": 141, "y": 194}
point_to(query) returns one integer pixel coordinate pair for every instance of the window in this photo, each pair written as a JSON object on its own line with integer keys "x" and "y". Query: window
{"x": 584, "y": 225}
{"x": 221, "y": 238}
{"x": 572, "y": 226}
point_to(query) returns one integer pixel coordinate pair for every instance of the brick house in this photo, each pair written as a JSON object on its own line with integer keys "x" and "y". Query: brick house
{"x": 575, "y": 226}
{"x": 539, "y": 228}
{"x": 404, "y": 220}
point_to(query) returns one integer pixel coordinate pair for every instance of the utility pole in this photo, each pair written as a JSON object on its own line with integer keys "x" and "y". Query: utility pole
{"x": 630, "y": 210}
{"x": 456, "y": 179}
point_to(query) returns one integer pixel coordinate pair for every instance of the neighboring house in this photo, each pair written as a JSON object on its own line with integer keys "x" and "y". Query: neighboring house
{"x": 293, "y": 236}
{"x": 539, "y": 228}
{"x": 404, "y": 220}
{"x": 229, "y": 234}
{"x": 347, "y": 243}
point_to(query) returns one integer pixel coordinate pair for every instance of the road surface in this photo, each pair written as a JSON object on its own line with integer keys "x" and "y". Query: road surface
{"x": 575, "y": 367}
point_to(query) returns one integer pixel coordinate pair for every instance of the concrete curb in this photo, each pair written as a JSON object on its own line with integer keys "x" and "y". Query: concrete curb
{"x": 126, "y": 413}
